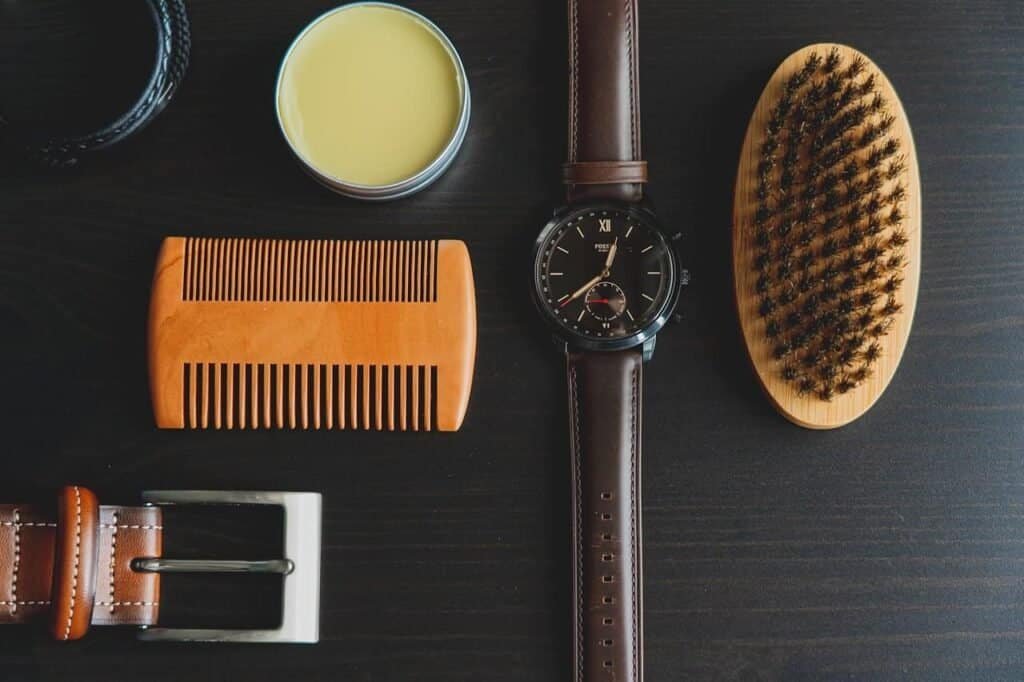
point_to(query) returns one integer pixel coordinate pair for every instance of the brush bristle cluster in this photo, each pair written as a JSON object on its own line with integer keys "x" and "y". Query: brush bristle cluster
{"x": 829, "y": 227}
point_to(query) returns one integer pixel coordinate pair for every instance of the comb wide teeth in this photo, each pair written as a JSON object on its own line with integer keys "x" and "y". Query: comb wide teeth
{"x": 306, "y": 396}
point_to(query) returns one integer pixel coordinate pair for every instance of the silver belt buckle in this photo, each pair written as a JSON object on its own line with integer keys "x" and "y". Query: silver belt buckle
{"x": 300, "y": 567}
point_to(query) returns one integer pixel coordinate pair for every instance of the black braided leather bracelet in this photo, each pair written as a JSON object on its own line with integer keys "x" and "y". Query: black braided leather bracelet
{"x": 173, "y": 44}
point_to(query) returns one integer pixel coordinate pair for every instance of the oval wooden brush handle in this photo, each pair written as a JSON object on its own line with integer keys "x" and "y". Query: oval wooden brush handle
{"x": 808, "y": 410}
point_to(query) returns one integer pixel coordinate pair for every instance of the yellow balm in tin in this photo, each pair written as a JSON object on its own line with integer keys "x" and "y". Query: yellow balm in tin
{"x": 373, "y": 100}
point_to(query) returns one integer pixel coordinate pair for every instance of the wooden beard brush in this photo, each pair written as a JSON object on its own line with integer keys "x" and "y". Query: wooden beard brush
{"x": 827, "y": 235}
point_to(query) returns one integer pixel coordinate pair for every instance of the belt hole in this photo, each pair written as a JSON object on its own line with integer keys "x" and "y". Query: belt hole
{"x": 606, "y": 496}
{"x": 606, "y": 642}
{"x": 606, "y": 557}
{"x": 609, "y": 621}
{"x": 607, "y": 600}
{"x": 607, "y": 537}
{"x": 607, "y": 664}
{"x": 606, "y": 578}
{"x": 606, "y": 517}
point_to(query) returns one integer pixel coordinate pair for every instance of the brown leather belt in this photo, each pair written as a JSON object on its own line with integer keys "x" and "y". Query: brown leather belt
{"x": 71, "y": 566}
{"x": 81, "y": 563}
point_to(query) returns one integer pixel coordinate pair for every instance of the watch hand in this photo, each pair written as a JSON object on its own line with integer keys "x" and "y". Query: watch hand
{"x": 583, "y": 289}
{"x": 611, "y": 255}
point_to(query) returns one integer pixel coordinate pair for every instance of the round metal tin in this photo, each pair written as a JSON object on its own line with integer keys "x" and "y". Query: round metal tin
{"x": 413, "y": 183}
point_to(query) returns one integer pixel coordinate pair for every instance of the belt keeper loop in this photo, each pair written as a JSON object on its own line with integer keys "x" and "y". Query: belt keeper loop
{"x": 75, "y": 563}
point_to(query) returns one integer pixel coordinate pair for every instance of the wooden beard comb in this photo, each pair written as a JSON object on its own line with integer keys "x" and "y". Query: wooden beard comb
{"x": 827, "y": 235}
{"x": 262, "y": 333}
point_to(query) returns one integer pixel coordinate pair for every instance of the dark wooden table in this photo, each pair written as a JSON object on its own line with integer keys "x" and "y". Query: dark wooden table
{"x": 890, "y": 549}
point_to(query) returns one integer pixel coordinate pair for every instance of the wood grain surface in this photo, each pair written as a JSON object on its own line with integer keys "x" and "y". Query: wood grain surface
{"x": 890, "y": 549}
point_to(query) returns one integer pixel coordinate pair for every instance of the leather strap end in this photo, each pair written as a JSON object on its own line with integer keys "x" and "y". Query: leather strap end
{"x": 604, "y": 172}
{"x": 75, "y": 563}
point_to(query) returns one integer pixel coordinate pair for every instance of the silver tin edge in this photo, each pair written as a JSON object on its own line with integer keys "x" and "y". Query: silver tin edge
{"x": 410, "y": 185}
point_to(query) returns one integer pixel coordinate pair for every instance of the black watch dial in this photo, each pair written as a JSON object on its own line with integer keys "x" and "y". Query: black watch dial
{"x": 605, "y": 273}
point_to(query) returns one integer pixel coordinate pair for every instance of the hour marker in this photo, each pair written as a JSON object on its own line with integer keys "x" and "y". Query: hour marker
{"x": 629, "y": 231}
{"x": 561, "y": 249}
{"x": 582, "y": 313}
{"x": 647, "y": 249}
{"x": 644, "y": 295}
{"x": 629, "y": 314}
{"x": 649, "y": 273}
{"x": 559, "y": 274}
{"x": 604, "y": 225}
{"x": 580, "y": 230}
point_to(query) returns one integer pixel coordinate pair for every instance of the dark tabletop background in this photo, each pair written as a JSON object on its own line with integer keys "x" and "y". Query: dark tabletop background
{"x": 890, "y": 549}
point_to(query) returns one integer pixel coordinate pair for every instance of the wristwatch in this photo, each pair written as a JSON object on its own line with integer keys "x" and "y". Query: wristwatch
{"x": 606, "y": 279}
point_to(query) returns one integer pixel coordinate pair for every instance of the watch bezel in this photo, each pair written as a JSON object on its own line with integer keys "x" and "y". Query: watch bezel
{"x": 578, "y": 340}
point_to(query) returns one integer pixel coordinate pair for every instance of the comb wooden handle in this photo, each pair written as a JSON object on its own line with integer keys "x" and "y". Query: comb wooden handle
{"x": 259, "y": 333}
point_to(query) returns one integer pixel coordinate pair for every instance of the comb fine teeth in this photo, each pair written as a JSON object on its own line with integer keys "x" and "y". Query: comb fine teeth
{"x": 321, "y": 334}
{"x": 310, "y": 270}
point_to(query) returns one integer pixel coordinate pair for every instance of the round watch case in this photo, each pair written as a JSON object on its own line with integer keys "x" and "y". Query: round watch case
{"x": 580, "y": 341}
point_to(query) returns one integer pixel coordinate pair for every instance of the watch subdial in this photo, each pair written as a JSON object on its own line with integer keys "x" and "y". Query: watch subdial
{"x": 605, "y": 301}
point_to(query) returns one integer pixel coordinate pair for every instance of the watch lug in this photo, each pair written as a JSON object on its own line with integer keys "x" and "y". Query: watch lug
{"x": 561, "y": 344}
{"x": 647, "y": 203}
{"x": 648, "y": 350}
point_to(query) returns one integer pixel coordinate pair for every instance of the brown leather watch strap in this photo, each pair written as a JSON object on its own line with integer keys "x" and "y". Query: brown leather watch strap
{"x": 70, "y": 565}
{"x": 604, "y": 103}
{"x": 604, "y": 412}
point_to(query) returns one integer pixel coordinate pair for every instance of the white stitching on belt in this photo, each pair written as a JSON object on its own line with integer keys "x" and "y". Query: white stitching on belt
{"x": 78, "y": 547}
{"x": 128, "y": 603}
{"x": 27, "y": 524}
{"x": 17, "y": 562}
{"x": 113, "y": 558}
{"x": 131, "y": 526}
{"x": 29, "y": 602}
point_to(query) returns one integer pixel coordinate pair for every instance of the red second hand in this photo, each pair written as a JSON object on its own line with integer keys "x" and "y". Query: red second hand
{"x": 592, "y": 300}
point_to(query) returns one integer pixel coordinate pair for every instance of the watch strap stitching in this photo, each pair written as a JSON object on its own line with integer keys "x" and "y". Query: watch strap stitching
{"x": 634, "y": 513}
{"x": 578, "y": 520}
{"x": 630, "y": 19}
{"x": 574, "y": 19}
